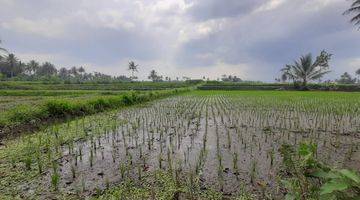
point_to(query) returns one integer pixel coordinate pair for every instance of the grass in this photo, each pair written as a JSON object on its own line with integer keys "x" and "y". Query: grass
{"x": 57, "y": 109}
{"x": 56, "y": 93}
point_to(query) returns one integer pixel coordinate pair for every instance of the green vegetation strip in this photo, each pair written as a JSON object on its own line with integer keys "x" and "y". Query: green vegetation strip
{"x": 56, "y": 92}
{"x": 215, "y": 85}
{"x": 23, "y": 115}
{"x": 23, "y": 85}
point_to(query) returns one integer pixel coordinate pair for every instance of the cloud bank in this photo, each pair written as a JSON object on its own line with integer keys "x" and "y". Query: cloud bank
{"x": 252, "y": 39}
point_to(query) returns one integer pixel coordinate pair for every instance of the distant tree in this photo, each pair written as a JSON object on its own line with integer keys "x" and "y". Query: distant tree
{"x": 74, "y": 71}
{"x": 63, "y": 73}
{"x": 354, "y": 9}
{"x": 346, "y": 79}
{"x": 306, "y": 70}
{"x": 46, "y": 69}
{"x": 357, "y": 72}
{"x": 154, "y": 76}
{"x": 32, "y": 67}
{"x": 133, "y": 68}
{"x": 230, "y": 78}
{"x": 81, "y": 70}
{"x": 12, "y": 63}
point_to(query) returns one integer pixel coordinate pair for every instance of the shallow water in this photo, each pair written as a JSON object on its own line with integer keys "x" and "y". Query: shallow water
{"x": 172, "y": 133}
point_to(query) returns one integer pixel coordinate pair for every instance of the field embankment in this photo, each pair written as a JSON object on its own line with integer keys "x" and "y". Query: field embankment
{"x": 22, "y": 111}
{"x": 214, "y": 85}
{"x": 146, "y": 85}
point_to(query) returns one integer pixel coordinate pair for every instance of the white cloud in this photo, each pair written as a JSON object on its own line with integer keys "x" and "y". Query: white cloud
{"x": 51, "y": 28}
{"x": 59, "y": 59}
{"x": 270, "y": 5}
{"x": 354, "y": 63}
{"x": 113, "y": 19}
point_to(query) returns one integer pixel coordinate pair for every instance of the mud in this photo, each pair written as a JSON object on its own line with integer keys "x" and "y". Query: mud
{"x": 203, "y": 135}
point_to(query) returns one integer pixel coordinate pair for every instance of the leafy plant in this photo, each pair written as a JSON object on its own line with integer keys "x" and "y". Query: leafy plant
{"x": 339, "y": 184}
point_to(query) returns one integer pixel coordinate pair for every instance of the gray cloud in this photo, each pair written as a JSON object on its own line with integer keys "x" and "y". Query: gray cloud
{"x": 188, "y": 35}
{"x": 212, "y": 9}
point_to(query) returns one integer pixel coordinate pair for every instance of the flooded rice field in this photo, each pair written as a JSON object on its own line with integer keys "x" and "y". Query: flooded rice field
{"x": 231, "y": 143}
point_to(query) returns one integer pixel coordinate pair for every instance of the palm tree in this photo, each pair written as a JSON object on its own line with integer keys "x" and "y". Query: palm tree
{"x": 133, "y": 68}
{"x": 306, "y": 70}
{"x": 354, "y": 9}
{"x": 63, "y": 73}
{"x": 32, "y": 66}
{"x": 81, "y": 70}
{"x": 12, "y": 61}
{"x": 153, "y": 76}
{"x": 74, "y": 71}
{"x": 346, "y": 79}
{"x": 46, "y": 69}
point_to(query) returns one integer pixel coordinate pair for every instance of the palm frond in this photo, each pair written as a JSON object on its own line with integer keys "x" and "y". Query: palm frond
{"x": 4, "y": 50}
{"x": 319, "y": 75}
{"x": 357, "y": 2}
{"x": 356, "y": 19}
{"x": 354, "y": 9}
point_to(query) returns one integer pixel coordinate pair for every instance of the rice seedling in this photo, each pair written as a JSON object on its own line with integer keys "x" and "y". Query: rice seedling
{"x": 199, "y": 136}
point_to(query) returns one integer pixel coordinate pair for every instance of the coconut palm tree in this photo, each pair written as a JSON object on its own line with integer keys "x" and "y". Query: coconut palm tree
{"x": 74, "y": 71}
{"x": 354, "y": 9}
{"x": 32, "y": 66}
{"x": 46, "y": 69}
{"x": 133, "y": 68}
{"x": 12, "y": 61}
{"x": 81, "y": 70}
{"x": 306, "y": 70}
{"x": 153, "y": 75}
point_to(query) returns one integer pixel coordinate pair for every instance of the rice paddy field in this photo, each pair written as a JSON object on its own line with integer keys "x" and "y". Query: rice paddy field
{"x": 195, "y": 145}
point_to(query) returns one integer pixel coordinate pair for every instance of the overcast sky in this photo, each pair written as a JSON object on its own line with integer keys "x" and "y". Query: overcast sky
{"x": 252, "y": 39}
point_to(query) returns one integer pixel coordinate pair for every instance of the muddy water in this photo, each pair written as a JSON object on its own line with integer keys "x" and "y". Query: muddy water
{"x": 203, "y": 135}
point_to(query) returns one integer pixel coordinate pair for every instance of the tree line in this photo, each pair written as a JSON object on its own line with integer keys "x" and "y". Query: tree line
{"x": 12, "y": 68}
